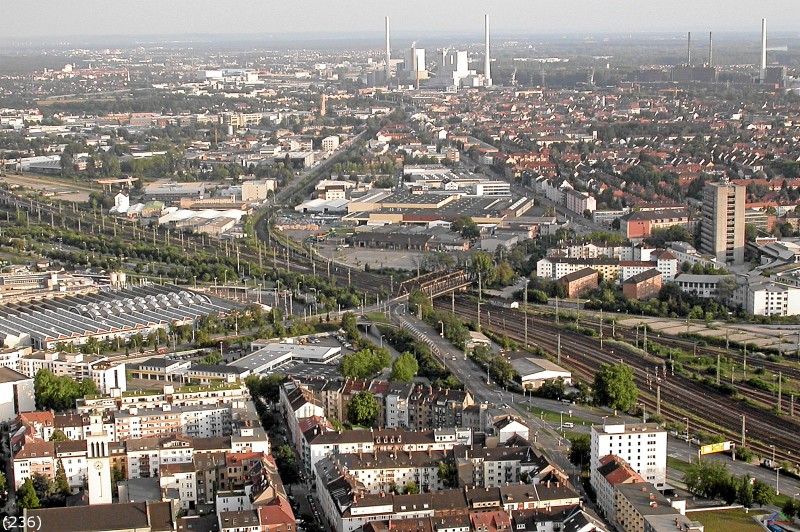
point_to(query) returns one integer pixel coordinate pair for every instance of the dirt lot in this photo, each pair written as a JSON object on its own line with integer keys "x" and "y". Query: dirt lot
{"x": 64, "y": 190}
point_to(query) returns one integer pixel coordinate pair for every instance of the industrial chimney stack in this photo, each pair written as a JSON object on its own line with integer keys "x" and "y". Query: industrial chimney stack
{"x": 689, "y": 50}
{"x": 388, "y": 54}
{"x": 487, "y": 61}
{"x": 762, "y": 74}
{"x": 710, "y": 50}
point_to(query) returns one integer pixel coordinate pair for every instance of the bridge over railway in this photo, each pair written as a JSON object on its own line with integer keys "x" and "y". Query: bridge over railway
{"x": 436, "y": 284}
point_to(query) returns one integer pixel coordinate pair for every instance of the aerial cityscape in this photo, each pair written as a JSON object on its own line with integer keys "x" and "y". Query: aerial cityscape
{"x": 454, "y": 267}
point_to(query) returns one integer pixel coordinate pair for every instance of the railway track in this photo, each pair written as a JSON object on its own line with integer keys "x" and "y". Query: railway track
{"x": 681, "y": 396}
{"x": 756, "y": 366}
{"x": 790, "y": 369}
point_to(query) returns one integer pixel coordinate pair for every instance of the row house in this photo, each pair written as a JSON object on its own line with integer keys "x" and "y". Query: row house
{"x": 321, "y": 442}
{"x": 235, "y": 393}
{"x": 204, "y": 421}
{"x": 482, "y": 467}
{"x": 346, "y": 507}
{"x": 384, "y": 470}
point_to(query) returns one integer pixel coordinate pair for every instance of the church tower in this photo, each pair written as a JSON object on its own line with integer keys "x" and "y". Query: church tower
{"x": 99, "y": 463}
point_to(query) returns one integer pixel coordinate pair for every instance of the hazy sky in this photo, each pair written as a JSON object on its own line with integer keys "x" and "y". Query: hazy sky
{"x": 39, "y": 18}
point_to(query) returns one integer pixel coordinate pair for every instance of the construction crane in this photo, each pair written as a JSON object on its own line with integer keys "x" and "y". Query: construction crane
{"x": 514, "y": 77}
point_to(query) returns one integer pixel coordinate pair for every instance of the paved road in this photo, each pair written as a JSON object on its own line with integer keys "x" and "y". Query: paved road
{"x": 682, "y": 450}
{"x": 546, "y": 435}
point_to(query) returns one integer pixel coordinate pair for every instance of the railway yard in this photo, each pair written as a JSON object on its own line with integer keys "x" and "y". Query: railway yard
{"x": 681, "y": 395}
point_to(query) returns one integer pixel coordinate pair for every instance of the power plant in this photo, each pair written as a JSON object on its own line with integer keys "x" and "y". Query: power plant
{"x": 453, "y": 69}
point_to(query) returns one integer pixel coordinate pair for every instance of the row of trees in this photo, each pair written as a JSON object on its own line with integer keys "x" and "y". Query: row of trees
{"x": 39, "y": 491}
{"x": 711, "y": 479}
{"x": 59, "y": 393}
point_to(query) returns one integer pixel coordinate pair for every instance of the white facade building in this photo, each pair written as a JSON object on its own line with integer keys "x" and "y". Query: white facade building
{"x": 768, "y": 298}
{"x": 330, "y": 143}
{"x": 106, "y": 376}
{"x": 16, "y": 394}
{"x": 642, "y": 445}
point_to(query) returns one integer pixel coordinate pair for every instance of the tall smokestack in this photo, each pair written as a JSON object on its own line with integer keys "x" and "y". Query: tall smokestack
{"x": 487, "y": 60}
{"x": 762, "y": 74}
{"x": 689, "y": 50}
{"x": 710, "y": 50}
{"x": 388, "y": 53}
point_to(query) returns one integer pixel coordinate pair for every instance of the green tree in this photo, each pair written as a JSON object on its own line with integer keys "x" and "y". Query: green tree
{"x": 59, "y": 393}
{"x": 58, "y": 435}
{"x": 580, "y": 451}
{"x": 43, "y": 486}
{"x": 614, "y": 387}
{"x": 363, "y": 409}
{"x": 287, "y": 464}
{"x": 26, "y": 496}
{"x": 483, "y": 266}
{"x": 404, "y": 368}
{"x": 763, "y": 494}
{"x": 744, "y": 492}
{"x": 265, "y": 386}
{"x": 3, "y": 482}
{"x": 706, "y": 478}
{"x": 61, "y": 482}
{"x": 552, "y": 389}
{"x": 448, "y": 474}
{"x": 349, "y": 326}
{"x": 467, "y": 227}
{"x": 750, "y": 232}
{"x": 791, "y": 508}
{"x": 364, "y": 363}
{"x": 412, "y": 488}
{"x": 211, "y": 359}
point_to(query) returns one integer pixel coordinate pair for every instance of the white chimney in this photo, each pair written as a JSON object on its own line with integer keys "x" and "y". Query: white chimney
{"x": 710, "y": 50}
{"x": 762, "y": 74}
{"x": 487, "y": 60}
{"x": 388, "y": 53}
{"x": 689, "y": 50}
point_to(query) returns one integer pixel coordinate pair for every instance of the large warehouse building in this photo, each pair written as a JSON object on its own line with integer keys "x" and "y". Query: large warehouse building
{"x": 105, "y": 315}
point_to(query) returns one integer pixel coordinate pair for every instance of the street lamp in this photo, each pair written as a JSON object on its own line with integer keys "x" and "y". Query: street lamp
{"x": 561, "y": 427}
{"x": 773, "y": 454}
{"x": 687, "y": 432}
{"x": 382, "y": 341}
{"x": 778, "y": 480}
{"x": 442, "y": 324}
